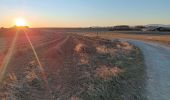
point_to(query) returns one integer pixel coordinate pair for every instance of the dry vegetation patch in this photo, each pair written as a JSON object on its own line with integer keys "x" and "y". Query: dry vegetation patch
{"x": 105, "y": 72}
{"x": 81, "y": 68}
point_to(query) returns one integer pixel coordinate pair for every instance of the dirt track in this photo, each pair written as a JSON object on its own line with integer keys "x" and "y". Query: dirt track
{"x": 158, "y": 66}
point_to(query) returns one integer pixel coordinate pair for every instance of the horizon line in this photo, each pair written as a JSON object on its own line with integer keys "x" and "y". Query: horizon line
{"x": 91, "y": 26}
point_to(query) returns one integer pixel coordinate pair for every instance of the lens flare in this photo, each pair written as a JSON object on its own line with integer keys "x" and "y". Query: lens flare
{"x": 39, "y": 63}
{"x": 10, "y": 53}
{"x": 8, "y": 57}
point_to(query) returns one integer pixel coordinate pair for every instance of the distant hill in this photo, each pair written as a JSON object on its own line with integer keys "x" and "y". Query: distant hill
{"x": 158, "y": 25}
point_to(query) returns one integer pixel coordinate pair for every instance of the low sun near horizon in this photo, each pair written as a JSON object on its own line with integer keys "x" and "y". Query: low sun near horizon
{"x": 20, "y": 22}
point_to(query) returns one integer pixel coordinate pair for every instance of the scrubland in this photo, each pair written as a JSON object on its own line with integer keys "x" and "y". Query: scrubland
{"x": 76, "y": 68}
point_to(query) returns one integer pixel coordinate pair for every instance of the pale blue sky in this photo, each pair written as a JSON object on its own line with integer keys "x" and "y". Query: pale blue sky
{"x": 74, "y": 13}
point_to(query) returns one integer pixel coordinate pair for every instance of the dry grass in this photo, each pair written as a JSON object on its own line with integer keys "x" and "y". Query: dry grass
{"x": 75, "y": 98}
{"x": 79, "y": 47}
{"x": 25, "y": 88}
{"x": 103, "y": 50}
{"x": 126, "y": 46}
{"x": 165, "y": 39}
{"x": 105, "y": 72}
{"x": 72, "y": 66}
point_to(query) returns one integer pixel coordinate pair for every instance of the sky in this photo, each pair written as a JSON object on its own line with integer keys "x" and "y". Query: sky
{"x": 84, "y": 13}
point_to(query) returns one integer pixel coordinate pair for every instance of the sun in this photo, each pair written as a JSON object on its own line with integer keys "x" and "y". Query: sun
{"x": 20, "y": 22}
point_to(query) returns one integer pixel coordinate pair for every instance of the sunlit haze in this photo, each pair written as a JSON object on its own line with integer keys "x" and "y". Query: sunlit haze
{"x": 82, "y": 13}
{"x": 20, "y": 22}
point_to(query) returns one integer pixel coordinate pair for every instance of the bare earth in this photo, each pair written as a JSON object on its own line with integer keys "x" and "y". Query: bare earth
{"x": 158, "y": 66}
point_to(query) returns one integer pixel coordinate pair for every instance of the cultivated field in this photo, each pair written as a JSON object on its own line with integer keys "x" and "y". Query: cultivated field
{"x": 74, "y": 67}
{"x": 159, "y": 37}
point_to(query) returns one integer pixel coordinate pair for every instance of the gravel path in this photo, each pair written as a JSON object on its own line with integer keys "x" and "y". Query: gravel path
{"x": 157, "y": 60}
